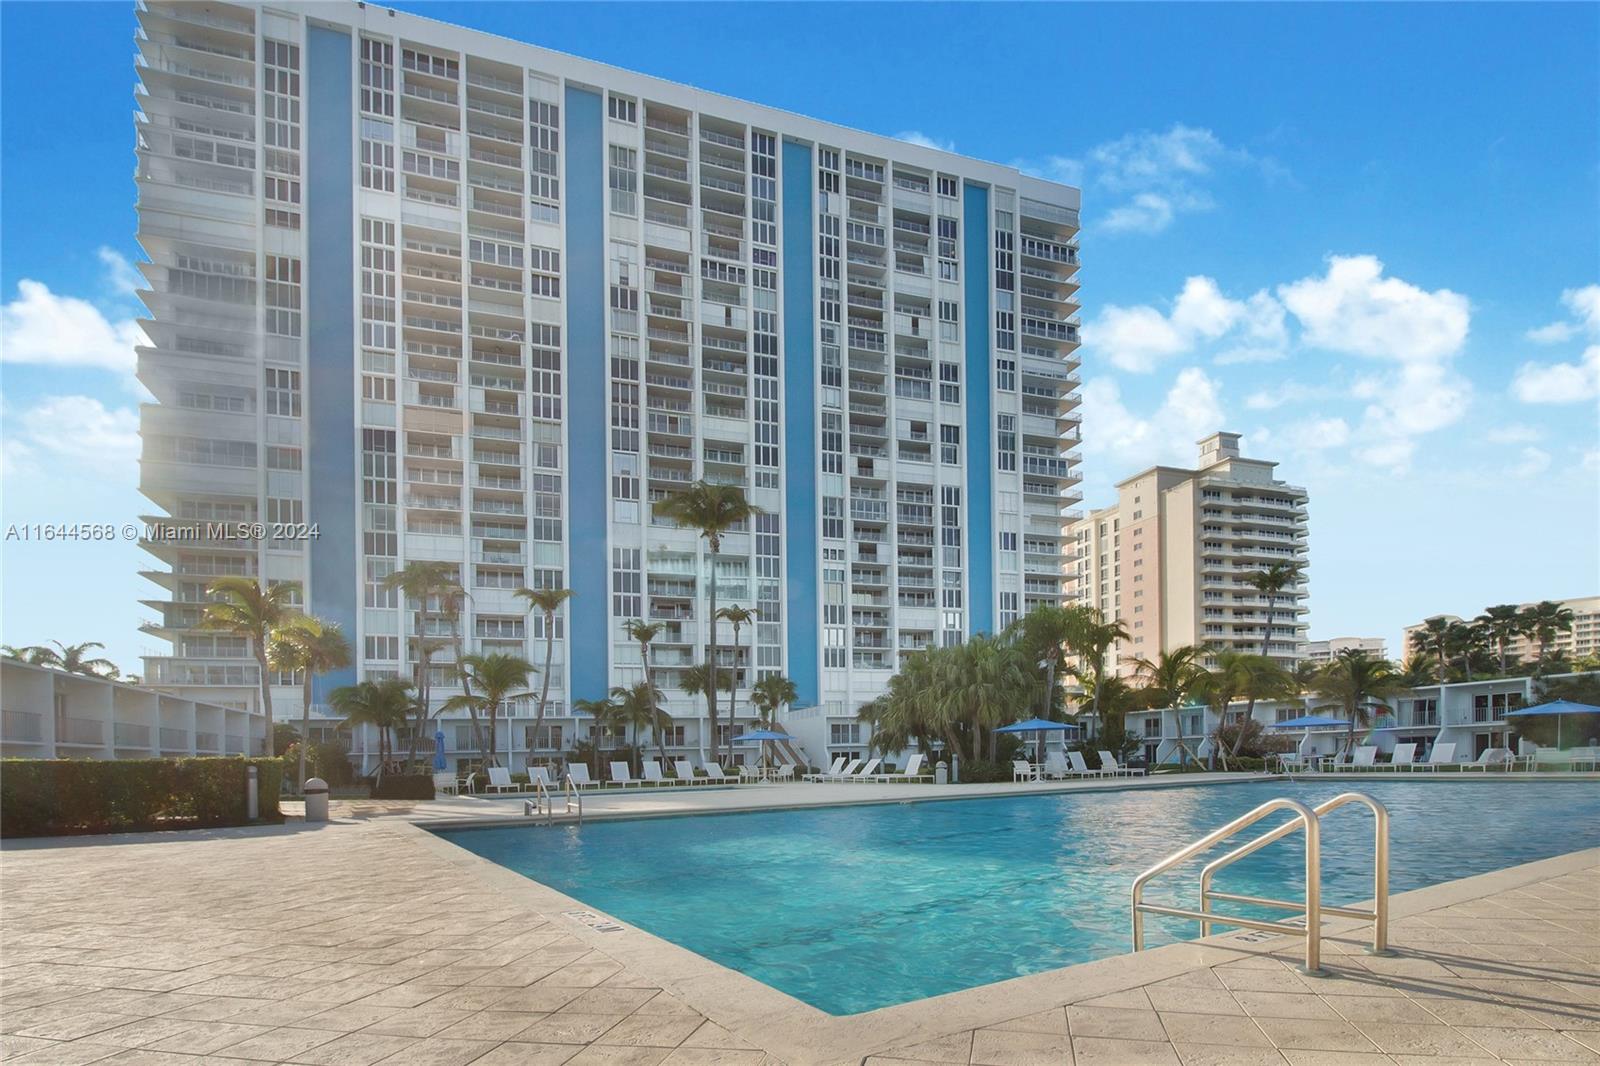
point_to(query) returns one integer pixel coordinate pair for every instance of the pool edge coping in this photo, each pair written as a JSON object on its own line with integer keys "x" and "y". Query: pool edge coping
{"x": 803, "y": 1035}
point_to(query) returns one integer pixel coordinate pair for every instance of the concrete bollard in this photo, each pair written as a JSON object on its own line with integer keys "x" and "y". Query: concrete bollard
{"x": 941, "y": 773}
{"x": 316, "y": 800}
{"x": 252, "y": 793}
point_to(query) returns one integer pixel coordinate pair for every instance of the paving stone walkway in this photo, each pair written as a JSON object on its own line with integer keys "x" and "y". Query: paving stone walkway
{"x": 357, "y": 944}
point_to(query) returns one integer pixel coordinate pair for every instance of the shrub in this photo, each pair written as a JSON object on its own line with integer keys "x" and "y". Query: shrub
{"x": 403, "y": 786}
{"x": 45, "y": 797}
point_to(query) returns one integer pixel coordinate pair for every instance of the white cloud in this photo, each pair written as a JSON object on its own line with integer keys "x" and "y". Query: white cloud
{"x": 1191, "y": 409}
{"x": 76, "y": 430}
{"x": 1514, "y": 433}
{"x": 1560, "y": 382}
{"x": 1318, "y": 434}
{"x": 1137, "y": 338}
{"x": 1150, "y": 178}
{"x": 1534, "y": 461}
{"x": 43, "y": 328}
{"x": 1584, "y": 304}
{"x": 123, "y": 275}
{"x": 1354, "y": 309}
{"x": 1418, "y": 399}
{"x": 923, "y": 139}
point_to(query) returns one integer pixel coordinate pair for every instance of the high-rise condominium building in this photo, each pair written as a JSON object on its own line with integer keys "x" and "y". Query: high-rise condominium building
{"x": 446, "y": 296}
{"x": 1173, "y": 558}
{"x": 1324, "y": 651}
{"x": 1581, "y": 640}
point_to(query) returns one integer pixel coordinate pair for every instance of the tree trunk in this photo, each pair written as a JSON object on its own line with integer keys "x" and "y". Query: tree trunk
{"x": 544, "y": 686}
{"x": 305, "y": 726}
{"x": 266, "y": 690}
{"x": 711, "y": 658}
{"x": 423, "y": 688}
{"x": 733, "y": 689}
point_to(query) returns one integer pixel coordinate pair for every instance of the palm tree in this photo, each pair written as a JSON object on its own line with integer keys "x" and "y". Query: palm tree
{"x": 1170, "y": 679}
{"x": 385, "y": 705}
{"x": 1463, "y": 640}
{"x": 639, "y": 706}
{"x": 243, "y": 607}
{"x": 547, "y": 602}
{"x": 496, "y": 677}
{"x": 1093, "y": 640}
{"x": 1434, "y": 637}
{"x": 738, "y": 617}
{"x": 1269, "y": 582}
{"x": 1546, "y": 620}
{"x": 982, "y": 684}
{"x": 696, "y": 681}
{"x": 310, "y": 646}
{"x": 1047, "y": 633}
{"x": 33, "y": 654}
{"x": 1304, "y": 675}
{"x": 714, "y": 510}
{"x": 602, "y": 711}
{"x": 772, "y": 692}
{"x": 72, "y": 658}
{"x": 1417, "y": 671}
{"x": 1358, "y": 684}
{"x": 1254, "y": 677}
{"x": 422, "y": 582}
{"x": 1504, "y": 623}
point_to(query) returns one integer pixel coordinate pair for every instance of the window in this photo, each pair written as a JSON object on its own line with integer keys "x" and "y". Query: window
{"x": 622, "y": 109}
{"x": 546, "y": 266}
{"x": 283, "y": 296}
{"x": 283, "y": 392}
{"x": 623, "y": 180}
{"x": 950, "y": 445}
{"x": 383, "y": 649}
{"x": 625, "y": 594}
{"x": 279, "y": 458}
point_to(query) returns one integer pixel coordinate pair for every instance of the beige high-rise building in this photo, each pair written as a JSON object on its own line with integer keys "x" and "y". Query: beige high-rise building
{"x": 1173, "y": 557}
{"x": 1582, "y": 639}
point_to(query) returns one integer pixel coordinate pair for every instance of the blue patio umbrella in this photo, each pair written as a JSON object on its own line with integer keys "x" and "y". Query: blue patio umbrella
{"x": 1559, "y": 708}
{"x": 1040, "y": 726}
{"x": 438, "y": 749}
{"x": 761, "y": 736}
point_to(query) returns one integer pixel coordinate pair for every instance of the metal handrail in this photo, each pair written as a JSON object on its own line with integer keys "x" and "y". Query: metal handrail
{"x": 1378, "y": 916}
{"x": 1306, "y": 819}
{"x": 543, "y": 802}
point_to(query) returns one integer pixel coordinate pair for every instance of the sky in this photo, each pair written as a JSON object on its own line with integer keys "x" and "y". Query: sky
{"x": 1365, "y": 236}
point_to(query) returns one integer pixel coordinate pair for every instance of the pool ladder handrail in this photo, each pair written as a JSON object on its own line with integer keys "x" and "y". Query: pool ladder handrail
{"x": 543, "y": 802}
{"x": 1310, "y": 909}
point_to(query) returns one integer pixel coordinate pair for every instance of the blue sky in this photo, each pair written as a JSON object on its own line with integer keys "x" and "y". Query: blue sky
{"x": 1365, "y": 236}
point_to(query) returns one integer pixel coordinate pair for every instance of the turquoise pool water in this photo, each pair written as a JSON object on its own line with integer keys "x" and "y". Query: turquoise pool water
{"x": 854, "y": 908}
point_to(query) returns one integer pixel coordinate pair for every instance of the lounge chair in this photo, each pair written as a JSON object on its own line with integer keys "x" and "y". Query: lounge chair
{"x": 578, "y": 774}
{"x": 714, "y": 773}
{"x": 1109, "y": 765}
{"x": 838, "y": 764}
{"x": 866, "y": 772}
{"x": 653, "y": 774}
{"x": 685, "y": 771}
{"x": 1056, "y": 767}
{"x": 1023, "y": 770}
{"x": 785, "y": 772}
{"x": 500, "y": 780}
{"x": 1404, "y": 758}
{"x": 621, "y": 775}
{"x": 911, "y": 772}
{"x": 1363, "y": 758}
{"x": 844, "y": 775}
{"x": 446, "y": 782}
{"x": 1491, "y": 759}
{"x": 1290, "y": 761}
{"x": 1081, "y": 768}
{"x": 1439, "y": 755}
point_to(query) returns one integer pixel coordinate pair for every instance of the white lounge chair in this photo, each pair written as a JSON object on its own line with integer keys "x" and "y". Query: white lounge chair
{"x": 539, "y": 775}
{"x": 1439, "y": 755}
{"x": 500, "y": 780}
{"x": 685, "y": 771}
{"x": 1109, "y": 764}
{"x": 1054, "y": 767}
{"x": 653, "y": 774}
{"x": 866, "y": 772}
{"x": 621, "y": 775}
{"x": 1404, "y": 757}
{"x": 844, "y": 775}
{"x": 1023, "y": 770}
{"x": 1081, "y": 768}
{"x": 1491, "y": 759}
{"x": 578, "y": 772}
{"x": 838, "y": 764}
{"x": 911, "y": 772}
{"x": 785, "y": 772}
{"x": 446, "y": 782}
{"x": 1363, "y": 758}
{"x": 714, "y": 774}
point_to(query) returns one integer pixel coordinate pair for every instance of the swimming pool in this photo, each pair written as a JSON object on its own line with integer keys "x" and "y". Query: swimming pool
{"x": 854, "y": 908}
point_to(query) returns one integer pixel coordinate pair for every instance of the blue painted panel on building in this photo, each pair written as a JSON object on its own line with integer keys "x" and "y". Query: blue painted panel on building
{"x": 330, "y": 382}
{"x": 588, "y": 486}
{"x": 980, "y": 415}
{"x": 799, "y": 437}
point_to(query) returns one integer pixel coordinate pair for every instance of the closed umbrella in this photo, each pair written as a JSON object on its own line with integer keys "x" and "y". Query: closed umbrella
{"x": 438, "y": 749}
{"x": 1040, "y": 726}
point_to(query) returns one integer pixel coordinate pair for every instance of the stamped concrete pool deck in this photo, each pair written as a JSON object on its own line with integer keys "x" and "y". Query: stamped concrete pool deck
{"x": 371, "y": 940}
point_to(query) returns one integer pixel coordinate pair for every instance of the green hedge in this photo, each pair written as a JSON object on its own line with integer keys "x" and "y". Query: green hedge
{"x": 402, "y": 786}
{"x": 47, "y": 797}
